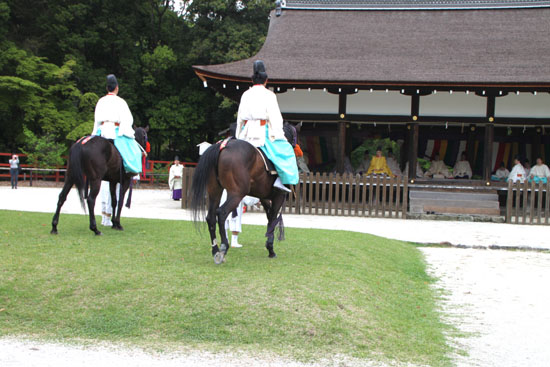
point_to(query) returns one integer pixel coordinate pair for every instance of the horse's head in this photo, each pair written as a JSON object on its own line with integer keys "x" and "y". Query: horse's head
{"x": 290, "y": 133}
{"x": 141, "y": 136}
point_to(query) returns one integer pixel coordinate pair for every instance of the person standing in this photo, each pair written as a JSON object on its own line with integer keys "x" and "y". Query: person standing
{"x": 259, "y": 121}
{"x": 113, "y": 120}
{"x": 14, "y": 170}
{"x": 106, "y": 202}
{"x": 174, "y": 180}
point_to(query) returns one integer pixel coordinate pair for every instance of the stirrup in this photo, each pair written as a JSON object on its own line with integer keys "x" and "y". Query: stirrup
{"x": 279, "y": 184}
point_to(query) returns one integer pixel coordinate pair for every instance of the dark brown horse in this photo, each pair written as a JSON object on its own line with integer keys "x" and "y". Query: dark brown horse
{"x": 240, "y": 169}
{"x": 97, "y": 159}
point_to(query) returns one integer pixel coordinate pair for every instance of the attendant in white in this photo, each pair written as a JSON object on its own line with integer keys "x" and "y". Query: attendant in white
{"x": 419, "y": 172}
{"x": 392, "y": 164}
{"x": 438, "y": 169}
{"x": 518, "y": 172}
{"x": 540, "y": 172}
{"x": 501, "y": 174}
{"x": 234, "y": 220}
{"x": 174, "y": 180}
{"x": 462, "y": 168}
{"x": 365, "y": 163}
{"x": 106, "y": 202}
{"x": 259, "y": 121}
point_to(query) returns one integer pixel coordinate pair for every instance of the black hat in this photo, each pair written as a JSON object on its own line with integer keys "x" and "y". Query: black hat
{"x": 111, "y": 82}
{"x": 176, "y": 158}
{"x": 260, "y": 75}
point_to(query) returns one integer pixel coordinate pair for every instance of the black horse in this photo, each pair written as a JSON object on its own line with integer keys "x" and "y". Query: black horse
{"x": 97, "y": 159}
{"x": 240, "y": 169}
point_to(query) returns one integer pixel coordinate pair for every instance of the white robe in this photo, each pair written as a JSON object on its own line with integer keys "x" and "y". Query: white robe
{"x": 462, "y": 168}
{"x": 174, "y": 180}
{"x": 111, "y": 109}
{"x": 394, "y": 166}
{"x": 259, "y": 103}
{"x": 502, "y": 173}
{"x": 517, "y": 174}
{"x": 539, "y": 171}
{"x": 438, "y": 169}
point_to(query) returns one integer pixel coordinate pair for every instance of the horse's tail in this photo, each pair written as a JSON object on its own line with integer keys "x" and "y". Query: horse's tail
{"x": 206, "y": 166}
{"x": 76, "y": 173}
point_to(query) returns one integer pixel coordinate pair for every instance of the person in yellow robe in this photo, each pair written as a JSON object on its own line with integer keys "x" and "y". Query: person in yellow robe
{"x": 378, "y": 164}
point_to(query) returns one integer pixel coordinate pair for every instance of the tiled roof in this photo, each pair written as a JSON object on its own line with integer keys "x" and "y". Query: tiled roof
{"x": 412, "y": 4}
{"x": 468, "y": 47}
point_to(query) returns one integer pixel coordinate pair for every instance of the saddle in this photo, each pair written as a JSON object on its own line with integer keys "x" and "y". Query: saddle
{"x": 269, "y": 166}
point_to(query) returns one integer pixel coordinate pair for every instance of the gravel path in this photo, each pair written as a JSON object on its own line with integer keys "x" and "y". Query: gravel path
{"x": 497, "y": 299}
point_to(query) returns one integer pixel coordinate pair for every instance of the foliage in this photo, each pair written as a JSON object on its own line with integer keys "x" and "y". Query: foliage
{"x": 328, "y": 292}
{"x": 42, "y": 151}
{"x": 371, "y": 145}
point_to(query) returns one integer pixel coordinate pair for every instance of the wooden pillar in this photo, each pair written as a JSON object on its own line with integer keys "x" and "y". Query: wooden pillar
{"x": 341, "y": 147}
{"x": 342, "y": 139}
{"x": 489, "y": 138}
{"x": 537, "y": 145}
{"x": 412, "y": 144}
{"x": 488, "y": 151}
{"x": 412, "y": 141}
{"x": 471, "y": 145}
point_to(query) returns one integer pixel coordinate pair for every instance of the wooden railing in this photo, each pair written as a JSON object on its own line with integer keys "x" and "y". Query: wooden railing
{"x": 335, "y": 194}
{"x": 528, "y": 203}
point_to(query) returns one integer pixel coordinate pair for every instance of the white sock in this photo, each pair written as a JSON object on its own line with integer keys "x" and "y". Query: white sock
{"x": 234, "y": 239}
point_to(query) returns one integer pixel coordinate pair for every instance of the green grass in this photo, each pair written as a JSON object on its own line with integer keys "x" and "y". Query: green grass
{"x": 155, "y": 284}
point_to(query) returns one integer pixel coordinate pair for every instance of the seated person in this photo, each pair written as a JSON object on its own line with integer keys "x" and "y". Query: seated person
{"x": 392, "y": 163}
{"x": 501, "y": 174}
{"x": 438, "y": 169}
{"x": 378, "y": 164}
{"x": 365, "y": 163}
{"x": 539, "y": 172}
{"x": 419, "y": 172}
{"x": 462, "y": 168}
{"x": 518, "y": 172}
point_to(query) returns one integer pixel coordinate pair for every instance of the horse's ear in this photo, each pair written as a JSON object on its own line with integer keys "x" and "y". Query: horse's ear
{"x": 146, "y": 128}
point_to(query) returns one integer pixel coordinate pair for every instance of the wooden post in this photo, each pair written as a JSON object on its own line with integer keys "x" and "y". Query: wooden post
{"x": 413, "y": 149}
{"x": 342, "y": 100}
{"x": 488, "y": 151}
{"x": 471, "y": 145}
{"x": 509, "y": 202}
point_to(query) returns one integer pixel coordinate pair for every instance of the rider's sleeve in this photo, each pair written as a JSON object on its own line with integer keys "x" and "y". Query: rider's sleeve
{"x": 126, "y": 120}
{"x": 240, "y": 120}
{"x": 275, "y": 119}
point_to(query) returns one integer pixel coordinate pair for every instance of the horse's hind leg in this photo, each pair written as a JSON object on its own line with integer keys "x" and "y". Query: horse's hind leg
{"x": 118, "y": 203}
{"x": 62, "y": 197}
{"x": 211, "y": 221}
{"x": 94, "y": 190}
{"x": 222, "y": 213}
{"x": 272, "y": 212}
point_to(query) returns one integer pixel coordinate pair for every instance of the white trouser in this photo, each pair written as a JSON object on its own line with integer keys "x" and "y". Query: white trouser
{"x": 105, "y": 194}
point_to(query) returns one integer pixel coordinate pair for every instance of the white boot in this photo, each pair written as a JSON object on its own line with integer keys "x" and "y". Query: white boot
{"x": 279, "y": 184}
{"x": 235, "y": 241}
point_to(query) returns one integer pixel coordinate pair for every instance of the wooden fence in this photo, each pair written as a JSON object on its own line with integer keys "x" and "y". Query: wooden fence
{"x": 335, "y": 194}
{"x": 528, "y": 203}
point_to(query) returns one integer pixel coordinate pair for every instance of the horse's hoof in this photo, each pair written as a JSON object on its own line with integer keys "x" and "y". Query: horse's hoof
{"x": 118, "y": 228}
{"x": 98, "y": 233}
{"x": 53, "y": 231}
{"x": 219, "y": 258}
{"x": 272, "y": 256}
